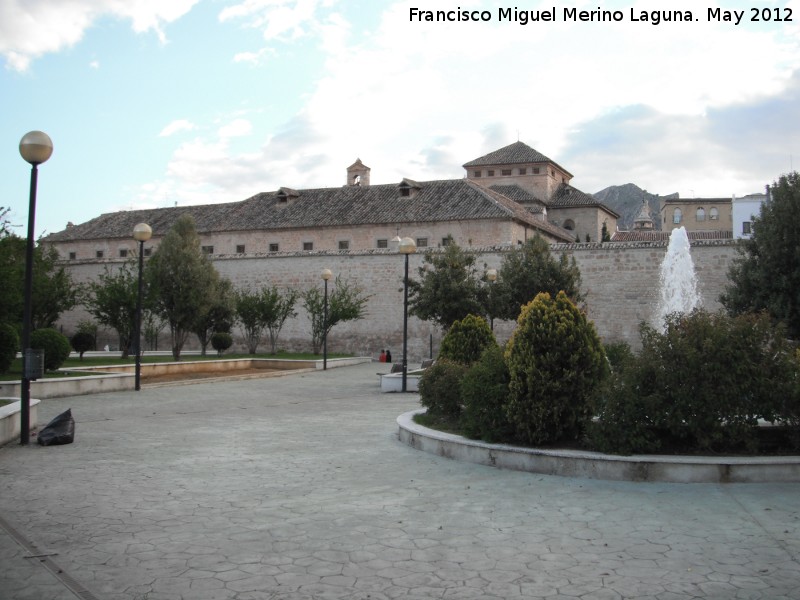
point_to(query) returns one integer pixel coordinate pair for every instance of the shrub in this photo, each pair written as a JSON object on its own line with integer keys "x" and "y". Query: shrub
{"x": 466, "y": 340}
{"x": 9, "y": 344}
{"x": 555, "y": 362}
{"x": 55, "y": 345}
{"x": 439, "y": 389}
{"x": 484, "y": 391}
{"x": 82, "y": 341}
{"x": 221, "y": 341}
{"x": 702, "y": 384}
{"x": 618, "y": 354}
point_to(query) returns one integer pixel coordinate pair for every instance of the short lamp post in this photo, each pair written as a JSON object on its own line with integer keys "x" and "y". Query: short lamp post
{"x": 326, "y": 277}
{"x": 491, "y": 275}
{"x": 35, "y": 147}
{"x": 141, "y": 233}
{"x": 406, "y": 246}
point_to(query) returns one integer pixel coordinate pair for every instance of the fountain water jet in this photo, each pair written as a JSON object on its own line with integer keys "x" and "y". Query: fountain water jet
{"x": 678, "y": 283}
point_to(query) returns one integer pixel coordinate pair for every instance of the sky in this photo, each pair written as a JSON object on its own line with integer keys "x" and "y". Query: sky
{"x": 156, "y": 103}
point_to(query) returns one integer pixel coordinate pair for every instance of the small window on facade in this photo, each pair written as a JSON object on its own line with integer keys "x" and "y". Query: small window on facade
{"x": 73, "y": 255}
{"x": 239, "y": 248}
{"x": 523, "y": 170}
{"x": 490, "y": 173}
{"x": 382, "y": 244}
{"x": 99, "y": 254}
{"x": 505, "y": 172}
{"x": 123, "y": 253}
{"x": 569, "y": 225}
{"x": 308, "y": 245}
{"x": 273, "y": 247}
{"x": 535, "y": 170}
{"x": 422, "y": 242}
{"x": 701, "y": 214}
{"x": 713, "y": 213}
{"x": 344, "y": 245}
{"x": 677, "y": 215}
{"x": 746, "y": 228}
{"x": 552, "y": 173}
{"x": 207, "y": 249}
{"x": 446, "y": 241}
{"x": 148, "y": 251}
{"x": 476, "y": 173}
{"x": 404, "y": 191}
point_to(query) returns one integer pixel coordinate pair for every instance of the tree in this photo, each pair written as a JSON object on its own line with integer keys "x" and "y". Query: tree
{"x": 264, "y": 309}
{"x": 448, "y": 288}
{"x": 346, "y": 302}
{"x": 182, "y": 281}
{"x": 111, "y": 299}
{"x": 604, "y": 235}
{"x": 766, "y": 274}
{"x": 53, "y": 291}
{"x": 250, "y": 314}
{"x": 218, "y": 316}
{"x": 279, "y": 307}
{"x": 530, "y": 269}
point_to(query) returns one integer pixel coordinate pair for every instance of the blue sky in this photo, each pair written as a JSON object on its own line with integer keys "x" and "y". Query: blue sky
{"x": 155, "y": 102}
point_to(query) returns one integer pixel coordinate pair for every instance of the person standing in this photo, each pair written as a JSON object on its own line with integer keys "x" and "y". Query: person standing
{"x": 382, "y": 357}
{"x": 388, "y": 356}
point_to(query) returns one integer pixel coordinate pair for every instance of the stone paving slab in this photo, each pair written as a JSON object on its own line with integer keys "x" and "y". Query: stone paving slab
{"x": 298, "y": 488}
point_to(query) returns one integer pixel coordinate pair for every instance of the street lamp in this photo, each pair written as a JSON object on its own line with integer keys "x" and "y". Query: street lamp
{"x": 326, "y": 276}
{"x": 141, "y": 233}
{"x": 35, "y": 147}
{"x": 406, "y": 246}
{"x": 491, "y": 275}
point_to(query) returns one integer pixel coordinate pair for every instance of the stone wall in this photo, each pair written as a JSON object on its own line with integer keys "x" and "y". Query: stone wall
{"x": 619, "y": 281}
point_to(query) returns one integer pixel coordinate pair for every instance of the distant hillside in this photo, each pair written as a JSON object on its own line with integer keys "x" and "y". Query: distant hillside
{"x": 626, "y": 200}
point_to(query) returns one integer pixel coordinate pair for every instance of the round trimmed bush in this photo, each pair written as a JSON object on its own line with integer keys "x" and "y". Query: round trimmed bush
{"x": 221, "y": 341}
{"x": 55, "y": 345}
{"x": 439, "y": 389}
{"x": 466, "y": 340}
{"x": 9, "y": 344}
{"x": 555, "y": 362}
{"x": 484, "y": 390}
{"x": 82, "y": 341}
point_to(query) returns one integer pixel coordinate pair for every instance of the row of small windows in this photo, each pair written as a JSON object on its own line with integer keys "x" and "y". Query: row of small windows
{"x": 700, "y": 215}
{"x": 422, "y": 242}
{"x": 508, "y": 172}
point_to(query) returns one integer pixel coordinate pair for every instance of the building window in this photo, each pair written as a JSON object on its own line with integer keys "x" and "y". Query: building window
{"x": 422, "y": 242}
{"x": 552, "y": 173}
{"x": 308, "y": 245}
{"x": 446, "y": 241}
{"x": 148, "y": 251}
{"x": 535, "y": 170}
{"x": 713, "y": 213}
{"x": 505, "y": 172}
{"x": 523, "y": 171}
{"x": 98, "y": 254}
{"x": 344, "y": 245}
{"x": 73, "y": 255}
{"x": 207, "y": 249}
{"x": 746, "y": 228}
{"x": 382, "y": 244}
{"x": 701, "y": 214}
{"x": 239, "y": 248}
{"x": 490, "y": 173}
{"x": 476, "y": 173}
{"x": 677, "y": 215}
{"x": 273, "y": 247}
{"x": 123, "y": 253}
{"x": 569, "y": 225}
{"x": 404, "y": 191}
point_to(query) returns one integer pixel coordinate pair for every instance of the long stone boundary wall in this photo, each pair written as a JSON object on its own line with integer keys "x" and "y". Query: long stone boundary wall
{"x": 620, "y": 281}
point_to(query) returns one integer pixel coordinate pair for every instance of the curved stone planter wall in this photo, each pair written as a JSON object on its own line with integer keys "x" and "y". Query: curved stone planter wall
{"x": 10, "y": 421}
{"x": 594, "y": 465}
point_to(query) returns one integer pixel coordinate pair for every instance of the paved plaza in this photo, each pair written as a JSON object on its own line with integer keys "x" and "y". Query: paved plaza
{"x": 297, "y": 487}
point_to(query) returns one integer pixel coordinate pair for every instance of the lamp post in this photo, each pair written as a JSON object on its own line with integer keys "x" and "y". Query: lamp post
{"x": 141, "y": 233}
{"x": 326, "y": 276}
{"x": 35, "y": 147}
{"x": 491, "y": 275}
{"x": 406, "y": 246}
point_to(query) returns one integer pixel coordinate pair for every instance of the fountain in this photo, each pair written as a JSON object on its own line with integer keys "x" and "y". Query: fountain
{"x": 678, "y": 284}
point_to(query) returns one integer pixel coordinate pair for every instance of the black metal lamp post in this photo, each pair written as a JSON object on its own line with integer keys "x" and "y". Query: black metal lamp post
{"x": 406, "y": 246}
{"x": 141, "y": 233}
{"x": 35, "y": 147}
{"x": 326, "y": 276}
{"x": 491, "y": 275}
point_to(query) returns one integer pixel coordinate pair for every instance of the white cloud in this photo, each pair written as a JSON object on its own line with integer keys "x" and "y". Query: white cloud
{"x": 32, "y": 28}
{"x": 236, "y": 128}
{"x": 177, "y": 126}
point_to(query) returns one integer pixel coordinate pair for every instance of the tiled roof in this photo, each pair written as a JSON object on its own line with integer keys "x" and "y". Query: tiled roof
{"x": 434, "y": 201}
{"x": 513, "y": 154}
{"x": 662, "y": 236}
{"x": 567, "y": 196}
{"x": 517, "y": 194}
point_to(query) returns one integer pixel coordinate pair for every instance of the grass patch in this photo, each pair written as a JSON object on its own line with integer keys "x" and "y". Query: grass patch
{"x": 442, "y": 424}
